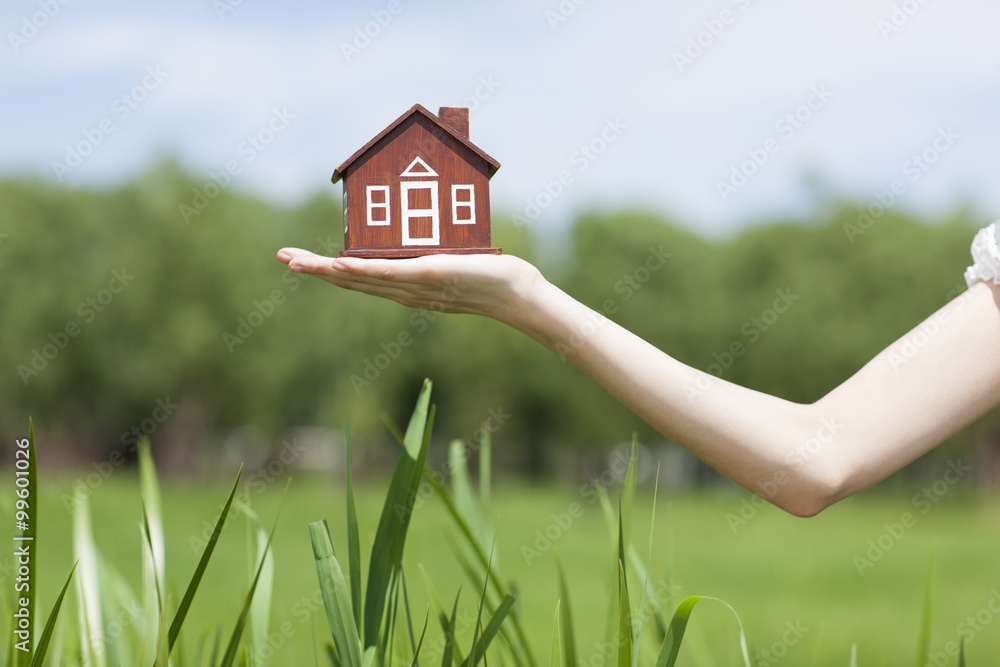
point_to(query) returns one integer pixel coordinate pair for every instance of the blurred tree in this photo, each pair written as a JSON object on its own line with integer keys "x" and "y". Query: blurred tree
{"x": 167, "y": 290}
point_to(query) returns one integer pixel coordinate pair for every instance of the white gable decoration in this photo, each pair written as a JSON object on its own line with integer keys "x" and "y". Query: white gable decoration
{"x": 413, "y": 172}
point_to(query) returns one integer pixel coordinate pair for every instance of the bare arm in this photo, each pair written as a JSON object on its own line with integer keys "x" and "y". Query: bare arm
{"x": 926, "y": 386}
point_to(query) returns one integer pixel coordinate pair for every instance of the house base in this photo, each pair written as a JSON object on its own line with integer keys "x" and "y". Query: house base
{"x": 402, "y": 253}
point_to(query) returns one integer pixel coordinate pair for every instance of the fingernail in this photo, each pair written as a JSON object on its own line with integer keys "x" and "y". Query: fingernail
{"x": 297, "y": 268}
{"x": 339, "y": 265}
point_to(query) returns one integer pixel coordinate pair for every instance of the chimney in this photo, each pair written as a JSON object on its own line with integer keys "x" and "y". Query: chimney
{"x": 457, "y": 117}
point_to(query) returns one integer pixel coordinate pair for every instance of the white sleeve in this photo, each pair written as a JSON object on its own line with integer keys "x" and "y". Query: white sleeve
{"x": 985, "y": 256}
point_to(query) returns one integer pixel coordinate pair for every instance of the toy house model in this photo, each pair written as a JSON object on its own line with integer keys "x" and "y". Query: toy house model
{"x": 419, "y": 187}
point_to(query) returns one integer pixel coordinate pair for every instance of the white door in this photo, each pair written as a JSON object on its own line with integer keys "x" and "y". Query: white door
{"x": 420, "y": 219}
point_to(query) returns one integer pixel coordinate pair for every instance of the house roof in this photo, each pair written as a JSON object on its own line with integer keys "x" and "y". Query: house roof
{"x": 493, "y": 165}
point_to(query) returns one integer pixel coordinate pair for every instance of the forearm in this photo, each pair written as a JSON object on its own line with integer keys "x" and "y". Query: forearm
{"x": 763, "y": 443}
{"x": 925, "y": 387}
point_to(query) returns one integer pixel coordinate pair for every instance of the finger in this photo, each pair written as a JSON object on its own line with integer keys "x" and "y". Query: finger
{"x": 404, "y": 296}
{"x": 382, "y": 273}
{"x": 417, "y": 270}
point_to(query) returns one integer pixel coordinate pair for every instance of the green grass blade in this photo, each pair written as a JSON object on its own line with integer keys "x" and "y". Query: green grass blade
{"x": 479, "y": 620}
{"x": 854, "y": 655}
{"x": 38, "y": 657}
{"x": 485, "y": 468}
{"x": 26, "y": 511}
{"x": 678, "y": 624}
{"x": 420, "y": 642}
{"x": 393, "y": 427}
{"x": 485, "y": 475}
{"x": 523, "y": 653}
{"x": 436, "y": 599}
{"x": 449, "y": 635}
{"x": 353, "y": 541}
{"x": 229, "y": 656}
{"x": 406, "y": 607}
{"x": 609, "y": 513}
{"x": 818, "y": 646}
{"x": 924, "y": 639}
{"x": 625, "y": 641}
{"x": 644, "y": 598}
{"x": 185, "y": 605}
{"x": 628, "y": 493}
{"x": 152, "y": 595}
{"x": 555, "y": 655}
{"x": 961, "y": 652}
{"x": 336, "y": 597}
{"x": 88, "y": 587}
{"x": 390, "y": 536}
{"x": 568, "y": 639}
{"x": 150, "y": 495}
{"x": 461, "y": 487}
{"x": 492, "y": 628}
{"x": 260, "y": 608}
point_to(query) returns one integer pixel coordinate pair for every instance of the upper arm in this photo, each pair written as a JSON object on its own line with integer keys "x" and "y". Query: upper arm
{"x": 926, "y": 386}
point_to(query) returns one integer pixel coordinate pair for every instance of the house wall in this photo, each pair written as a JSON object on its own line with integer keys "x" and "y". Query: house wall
{"x": 386, "y": 160}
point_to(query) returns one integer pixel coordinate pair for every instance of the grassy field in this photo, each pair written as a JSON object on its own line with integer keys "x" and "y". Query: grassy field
{"x": 796, "y": 583}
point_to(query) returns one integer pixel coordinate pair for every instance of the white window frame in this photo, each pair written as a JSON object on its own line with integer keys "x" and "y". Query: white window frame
{"x": 471, "y": 204}
{"x": 373, "y": 205}
{"x": 407, "y": 212}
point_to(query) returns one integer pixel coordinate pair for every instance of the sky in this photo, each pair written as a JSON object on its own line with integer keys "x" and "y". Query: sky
{"x": 716, "y": 114}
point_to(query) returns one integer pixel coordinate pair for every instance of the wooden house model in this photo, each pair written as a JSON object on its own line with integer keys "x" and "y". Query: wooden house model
{"x": 419, "y": 187}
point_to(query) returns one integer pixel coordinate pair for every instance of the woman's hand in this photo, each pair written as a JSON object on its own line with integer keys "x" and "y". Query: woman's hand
{"x": 496, "y": 286}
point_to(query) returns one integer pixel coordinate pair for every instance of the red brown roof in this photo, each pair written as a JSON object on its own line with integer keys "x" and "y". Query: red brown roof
{"x": 416, "y": 108}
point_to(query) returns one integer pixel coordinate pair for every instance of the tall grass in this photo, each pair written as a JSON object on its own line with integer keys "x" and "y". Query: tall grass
{"x": 371, "y": 622}
{"x": 103, "y": 595}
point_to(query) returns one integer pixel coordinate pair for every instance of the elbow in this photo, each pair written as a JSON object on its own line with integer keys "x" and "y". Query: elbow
{"x": 814, "y": 492}
{"x": 806, "y": 507}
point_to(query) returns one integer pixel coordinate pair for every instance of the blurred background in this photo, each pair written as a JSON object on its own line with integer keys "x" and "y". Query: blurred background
{"x": 833, "y": 159}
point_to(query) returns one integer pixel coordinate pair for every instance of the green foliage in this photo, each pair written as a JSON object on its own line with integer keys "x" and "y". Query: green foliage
{"x": 195, "y": 281}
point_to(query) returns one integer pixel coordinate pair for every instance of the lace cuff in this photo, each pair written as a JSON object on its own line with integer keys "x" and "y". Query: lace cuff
{"x": 985, "y": 256}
